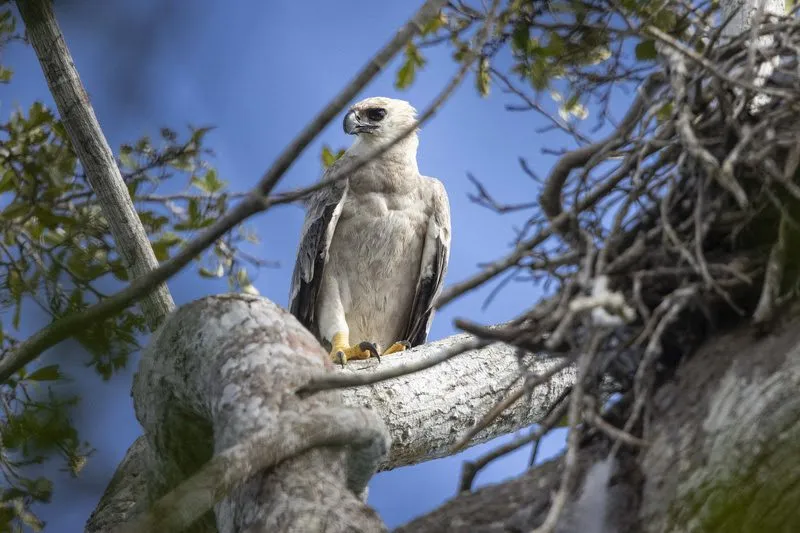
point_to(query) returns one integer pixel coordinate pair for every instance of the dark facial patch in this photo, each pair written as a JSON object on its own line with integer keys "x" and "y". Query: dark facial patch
{"x": 376, "y": 114}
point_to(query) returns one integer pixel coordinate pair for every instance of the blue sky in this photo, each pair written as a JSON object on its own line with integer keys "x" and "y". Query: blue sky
{"x": 259, "y": 73}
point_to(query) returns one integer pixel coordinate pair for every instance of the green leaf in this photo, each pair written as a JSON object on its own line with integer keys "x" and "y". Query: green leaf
{"x": 538, "y": 74}
{"x": 118, "y": 270}
{"x": 6, "y": 74}
{"x": 7, "y": 181}
{"x": 329, "y": 157}
{"x": 461, "y": 52}
{"x": 664, "y": 112}
{"x": 126, "y": 159}
{"x": 162, "y": 246}
{"x": 194, "y": 209}
{"x": 407, "y": 73}
{"x": 555, "y": 46}
{"x": 45, "y": 373}
{"x": 206, "y": 273}
{"x": 646, "y": 50}
{"x": 434, "y": 25}
{"x": 405, "y": 76}
{"x": 212, "y": 182}
{"x": 521, "y": 37}
{"x": 171, "y": 239}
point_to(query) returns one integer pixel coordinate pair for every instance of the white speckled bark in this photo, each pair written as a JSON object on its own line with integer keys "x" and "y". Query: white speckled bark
{"x": 747, "y": 9}
{"x": 221, "y": 370}
{"x": 427, "y": 412}
{"x": 232, "y": 363}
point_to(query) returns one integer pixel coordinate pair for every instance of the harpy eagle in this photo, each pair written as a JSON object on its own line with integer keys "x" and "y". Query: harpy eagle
{"x": 374, "y": 246}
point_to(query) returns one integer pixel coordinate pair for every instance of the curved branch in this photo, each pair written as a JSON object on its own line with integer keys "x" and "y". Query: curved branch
{"x": 290, "y": 437}
{"x": 220, "y": 376}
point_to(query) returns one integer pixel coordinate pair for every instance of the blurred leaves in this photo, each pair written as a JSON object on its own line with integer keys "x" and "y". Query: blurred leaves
{"x": 413, "y": 60}
{"x": 329, "y": 157}
{"x": 574, "y": 48}
{"x": 646, "y": 50}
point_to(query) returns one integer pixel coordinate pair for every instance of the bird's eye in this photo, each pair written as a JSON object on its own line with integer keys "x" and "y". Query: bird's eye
{"x": 376, "y": 114}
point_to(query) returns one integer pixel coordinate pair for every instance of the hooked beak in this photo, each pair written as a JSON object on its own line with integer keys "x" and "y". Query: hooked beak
{"x": 354, "y": 126}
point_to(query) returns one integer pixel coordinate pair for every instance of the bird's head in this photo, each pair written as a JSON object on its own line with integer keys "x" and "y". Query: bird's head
{"x": 379, "y": 119}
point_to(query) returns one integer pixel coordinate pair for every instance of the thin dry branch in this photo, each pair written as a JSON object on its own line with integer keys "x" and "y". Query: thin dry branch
{"x": 330, "y": 380}
{"x": 550, "y": 198}
{"x": 523, "y": 248}
{"x": 94, "y": 153}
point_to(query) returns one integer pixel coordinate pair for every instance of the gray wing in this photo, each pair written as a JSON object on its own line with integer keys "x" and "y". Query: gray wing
{"x": 322, "y": 213}
{"x": 433, "y": 266}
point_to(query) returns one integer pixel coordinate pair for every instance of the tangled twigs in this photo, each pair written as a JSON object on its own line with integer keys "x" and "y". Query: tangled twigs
{"x": 690, "y": 141}
{"x": 669, "y": 217}
{"x": 594, "y": 418}
{"x": 663, "y": 317}
{"x": 550, "y": 198}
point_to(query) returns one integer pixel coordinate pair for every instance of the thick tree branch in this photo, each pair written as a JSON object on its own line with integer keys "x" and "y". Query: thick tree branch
{"x": 218, "y": 382}
{"x": 92, "y": 148}
{"x": 424, "y": 413}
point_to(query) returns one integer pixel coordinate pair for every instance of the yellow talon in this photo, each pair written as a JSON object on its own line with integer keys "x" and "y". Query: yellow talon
{"x": 341, "y": 351}
{"x": 397, "y": 347}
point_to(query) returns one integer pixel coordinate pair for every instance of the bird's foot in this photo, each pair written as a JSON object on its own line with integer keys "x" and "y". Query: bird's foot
{"x": 341, "y": 352}
{"x": 399, "y": 346}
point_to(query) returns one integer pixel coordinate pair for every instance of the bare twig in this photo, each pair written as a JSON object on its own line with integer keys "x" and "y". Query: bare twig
{"x": 773, "y": 277}
{"x": 340, "y": 380}
{"x": 473, "y": 468}
{"x": 712, "y": 68}
{"x": 671, "y": 308}
{"x": 550, "y": 199}
{"x": 594, "y": 418}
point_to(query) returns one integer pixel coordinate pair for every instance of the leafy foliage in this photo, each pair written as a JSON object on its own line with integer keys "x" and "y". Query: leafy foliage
{"x": 573, "y": 49}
